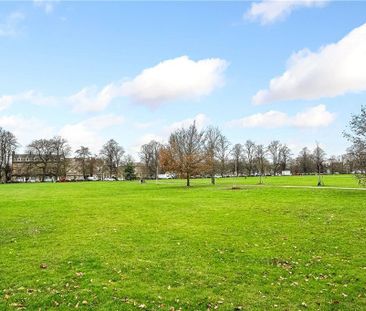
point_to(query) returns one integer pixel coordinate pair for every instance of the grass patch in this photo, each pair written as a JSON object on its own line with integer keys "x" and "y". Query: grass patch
{"x": 131, "y": 246}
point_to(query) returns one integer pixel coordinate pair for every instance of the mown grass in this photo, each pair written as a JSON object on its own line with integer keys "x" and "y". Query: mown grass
{"x": 131, "y": 246}
{"x": 306, "y": 180}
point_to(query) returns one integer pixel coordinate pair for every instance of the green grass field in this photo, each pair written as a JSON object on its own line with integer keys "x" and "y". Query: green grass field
{"x": 131, "y": 246}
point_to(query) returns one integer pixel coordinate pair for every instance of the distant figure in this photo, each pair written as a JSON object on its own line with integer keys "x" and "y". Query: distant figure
{"x": 142, "y": 181}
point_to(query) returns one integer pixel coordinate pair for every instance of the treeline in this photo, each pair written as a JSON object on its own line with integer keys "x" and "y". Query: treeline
{"x": 52, "y": 158}
{"x": 189, "y": 152}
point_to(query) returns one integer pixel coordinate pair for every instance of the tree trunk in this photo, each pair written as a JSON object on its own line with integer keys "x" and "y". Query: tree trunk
{"x": 157, "y": 173}
{"x": 7, "y": 173}
{"x": 212, "y": 179}
{"x": 84, "y": 169}
{"x": 44, "y": 174}
{"x": 188, "y": 180}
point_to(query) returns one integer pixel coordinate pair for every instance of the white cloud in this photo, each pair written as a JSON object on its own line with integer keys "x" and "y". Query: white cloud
{"x": 31, "y": 96}
{"x": 172, "y": 79}
{"x": 5, "y": 101}
{"x": 136, "y": 148}
{"x": 296, "y": 146}
{"x": 269, "y": 11}
{"x": 10, "y": 26}
{"x": 103, "y": 121}
{"x": 162, "y": 136}
{"x": 149, "y": 137}
{"x": 47, "y": 6}
{"x": 336, "y": 69}
{"x": 270, "y": 119}
{"x": 201, "y": 121}
{"x": 175, "y": 79}
{"x": 313, "y": 117}
{"x": 145, "y": 125}
{"x": 26, "y": 129}
{"x": 87, "y": 132}
{"x": 90, "y": 99}
{"x": 80, "y": 135}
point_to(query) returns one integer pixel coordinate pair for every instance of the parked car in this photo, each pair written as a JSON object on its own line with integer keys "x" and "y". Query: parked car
{"x": 166, "y": 176}
{"x": 109, "y": 179}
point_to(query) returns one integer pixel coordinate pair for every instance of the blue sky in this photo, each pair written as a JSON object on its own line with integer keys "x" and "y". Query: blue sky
{"x": 91, "y": 71}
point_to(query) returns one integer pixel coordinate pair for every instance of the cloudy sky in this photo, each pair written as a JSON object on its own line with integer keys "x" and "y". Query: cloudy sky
{"x": 91, "y": 71}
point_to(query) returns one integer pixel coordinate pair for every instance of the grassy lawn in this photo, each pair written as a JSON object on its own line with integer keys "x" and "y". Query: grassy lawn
{"x": 131, "y": 246}
{"x": 347, "y": 181}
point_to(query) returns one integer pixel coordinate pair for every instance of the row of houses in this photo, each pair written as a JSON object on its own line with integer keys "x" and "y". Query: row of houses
{"x": 30, "y": 168}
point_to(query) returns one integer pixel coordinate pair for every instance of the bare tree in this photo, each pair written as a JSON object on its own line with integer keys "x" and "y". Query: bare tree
{"x": 319, "y": 158}
{"x": 260, "y": 160}
{"x": 61, "y": 151}
{"x": 357, "y": 158}
{"x": 274, "y": 150}
{"x": 357, "y": 136}
{"x": 112, "y": 154}
{"x": 212, "y": 138}
{"x": 336, "y": 164}
{"x": 285, "y": 156}
{"x": 149, "y": 155}
{"x": 97, "y": 166}
{"x": 249, "y": 156}
{"x": 223, "y": 153}
{"x": 43, "y": 150}
{"x": 305, "y": 161}
{"x": 237, "y": 154}
{"x": 184, "y": 153}
{"x": 50, "y": 155}
{"x": 8, "y": 145}
{"x": 83, "y": 156}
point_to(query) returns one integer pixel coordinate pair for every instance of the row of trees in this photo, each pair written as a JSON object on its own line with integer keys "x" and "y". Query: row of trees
{"x": 193, "y": 152}
{"x": 50, "y": 156}
{"x": 189, "y": 152}
{"x": 110, "y": 160}
{"x": 53, "y": 158}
